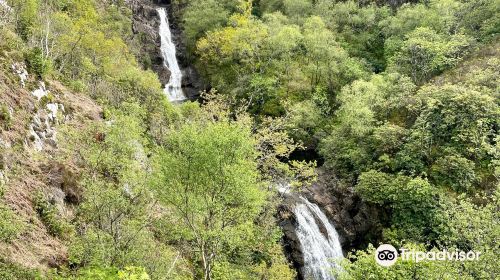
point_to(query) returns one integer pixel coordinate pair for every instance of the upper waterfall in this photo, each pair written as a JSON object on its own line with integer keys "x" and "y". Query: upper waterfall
{"x": 320, "y": 246}
{"x": 174, "y": 87}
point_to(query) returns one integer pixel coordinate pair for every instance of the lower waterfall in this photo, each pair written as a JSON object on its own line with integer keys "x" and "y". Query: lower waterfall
{"x": 319, "y": 242}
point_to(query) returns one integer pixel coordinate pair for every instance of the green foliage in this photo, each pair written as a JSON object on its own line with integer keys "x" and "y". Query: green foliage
{"x": 201, "y": 16}
{"x": 116, "y": 212}
{"x": 369, "y": 112}
{"x": 425, "y": 53}
{"x": 305, "y": 119}
{"x": 38, "y": 63}
{"x": 412, "y": 200}
{"x": 50, "y": 217}
{"x": 97, "y": 273}
{"x": 182, "y": 192}
{"x": 208, "y": 174}
{"x": 133, "y": 273}
{"x": 27, "y": 11}
{"x": 5, "y": 117}
{"x": 107, "y": 273}
{"x": 297, "y": 10}
{"x": 362, "y": 265}
{"x": 11, "y": 271}
{"x": 275, "y": 60}
{"x": 479, "y": 18}
{"x": 11, "y": 224}
{"x": 359, "y": 27}
{"x": 468, "y": 226}
{"x": 466, "y": 117}
{"x": 462, "y": 225}
{"x": 455, "y": 172}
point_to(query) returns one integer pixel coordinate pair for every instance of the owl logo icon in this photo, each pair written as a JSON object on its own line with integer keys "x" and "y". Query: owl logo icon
{"x": 386, "y": 255}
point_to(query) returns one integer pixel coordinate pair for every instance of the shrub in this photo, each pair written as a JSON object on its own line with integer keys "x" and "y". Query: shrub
{"x": 10, "y": 225}
{"x": 49, "y": 216}
{"x": 38, "y": 63}
{"x": 454, "y": 171}
{"x": 10, "y": 271}
{"x": 5, "y": 118}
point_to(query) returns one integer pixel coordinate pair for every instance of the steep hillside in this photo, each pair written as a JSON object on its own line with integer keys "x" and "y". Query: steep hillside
{"x": 33, "y": 112}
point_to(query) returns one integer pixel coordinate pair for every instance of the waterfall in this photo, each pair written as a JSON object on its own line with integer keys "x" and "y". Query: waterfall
{"x": 320, "y": 247}
{"x": 174, "y": 87}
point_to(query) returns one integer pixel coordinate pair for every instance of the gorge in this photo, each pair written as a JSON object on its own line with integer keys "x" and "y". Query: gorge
{"x": 319, "y": 241}
{"x": 247, "y": 139}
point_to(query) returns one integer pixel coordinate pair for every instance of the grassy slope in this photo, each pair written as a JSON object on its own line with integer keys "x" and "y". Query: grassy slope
{"x": 29, "y": 171}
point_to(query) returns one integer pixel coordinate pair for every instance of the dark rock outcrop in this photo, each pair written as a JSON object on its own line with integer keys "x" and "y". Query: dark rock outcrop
{"x": 288, "y": 224}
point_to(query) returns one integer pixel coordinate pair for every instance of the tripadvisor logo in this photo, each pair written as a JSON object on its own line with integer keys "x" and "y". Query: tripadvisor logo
{"x": 387, "y": 255}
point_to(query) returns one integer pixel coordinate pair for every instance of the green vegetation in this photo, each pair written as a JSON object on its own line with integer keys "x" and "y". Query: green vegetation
{"x": 401, "y": 101}
{"x": 10, "y": 225}
{"x": 10, "y": 271}
{"x": 48, "y": 214}
{"x": 5, "y": 118}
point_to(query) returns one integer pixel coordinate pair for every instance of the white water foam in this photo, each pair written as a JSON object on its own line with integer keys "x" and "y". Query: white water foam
{"x": 174, "y": 87}
{"x": 321, "y": 248}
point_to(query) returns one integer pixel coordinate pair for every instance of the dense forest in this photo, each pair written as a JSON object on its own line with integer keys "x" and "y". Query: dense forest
{"x": 398, "y": 100}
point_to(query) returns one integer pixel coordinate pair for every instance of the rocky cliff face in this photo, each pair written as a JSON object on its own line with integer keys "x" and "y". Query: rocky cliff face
{"x": 146, "y": 22}
{"x": 356, "y": 222}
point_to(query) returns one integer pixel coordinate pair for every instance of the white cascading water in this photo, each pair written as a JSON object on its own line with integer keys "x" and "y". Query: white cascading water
{"x": 174, "y": 87}
{"x": 320, "y": 249}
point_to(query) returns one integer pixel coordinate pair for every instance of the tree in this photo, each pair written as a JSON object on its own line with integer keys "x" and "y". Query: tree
{"x": 452, "y": 119}
{"x": 202, "y": 16}
{"x": 358, "y": 27}
{"x": 454, "y": 172}
{"x": 208, "y": 173}
{"x": 467, "y": 225}
{"x": 327, "y": 63}
{"x": 115, "y": 219}
{"x": 412, "y": 200}
{"x": 426, "y": 53}
{"x": 297, "y": 10}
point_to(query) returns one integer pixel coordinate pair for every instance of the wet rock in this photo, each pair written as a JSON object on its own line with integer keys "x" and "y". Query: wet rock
{"x": 145, "y": 26}
{"x": 356, "y": 221}
{"x": 288, "y": 224}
